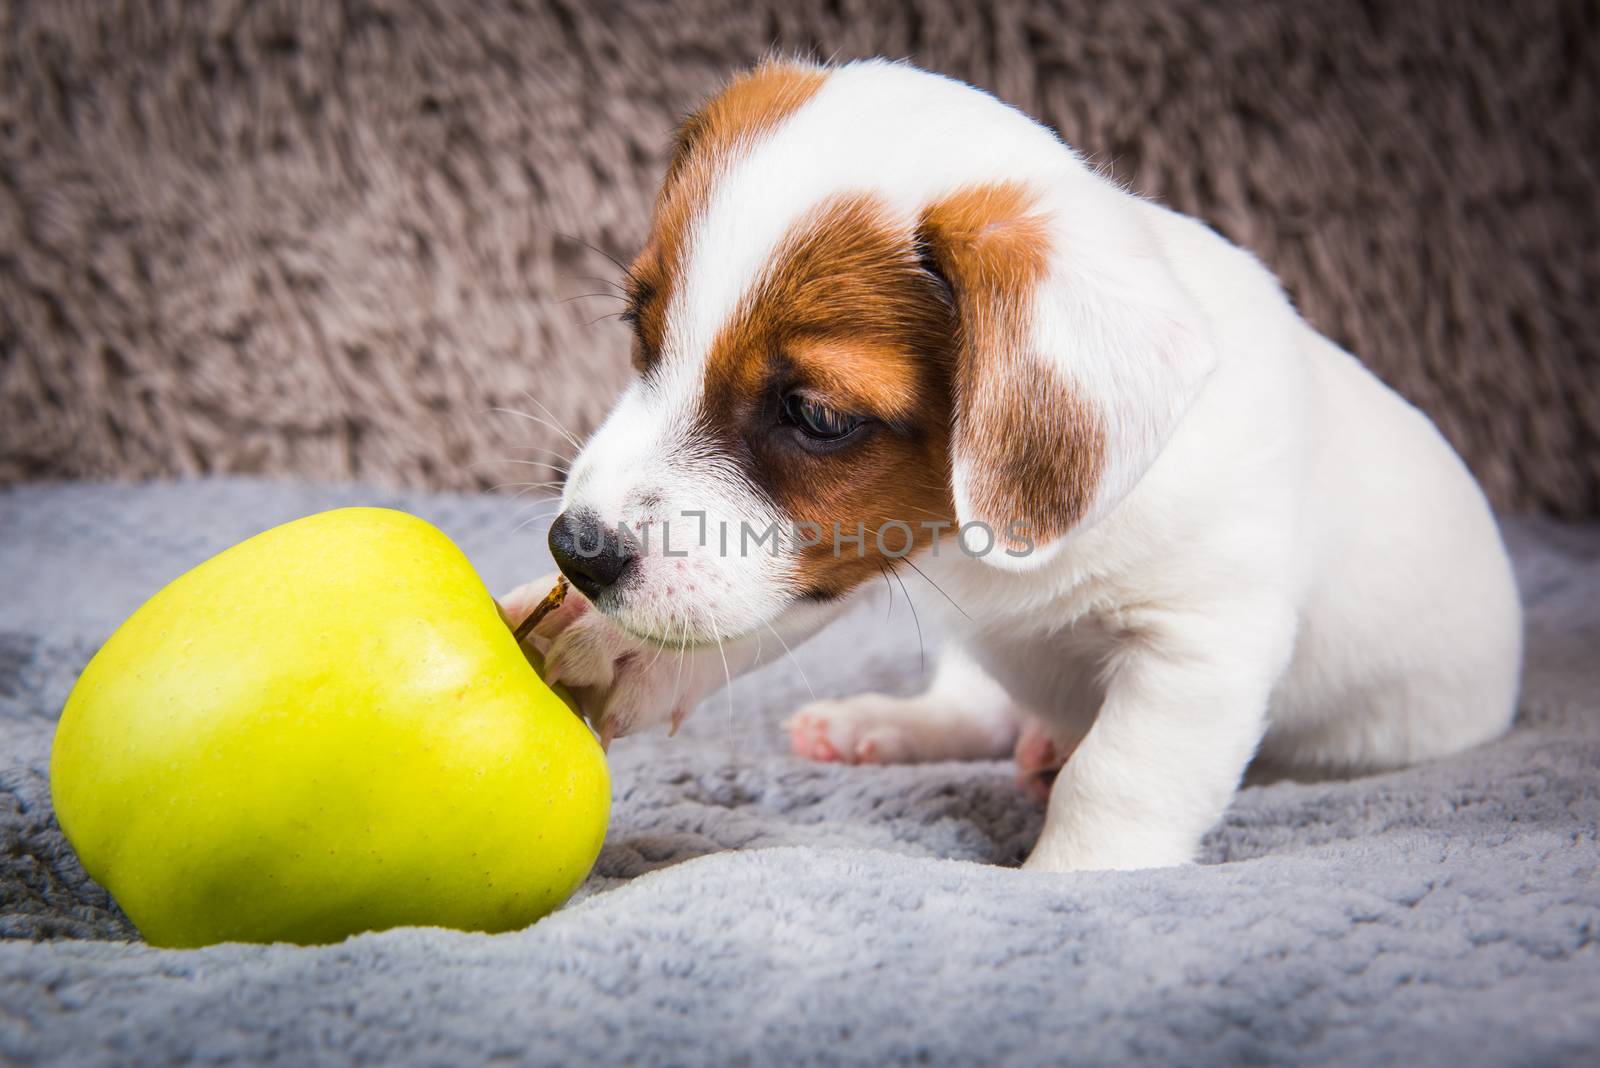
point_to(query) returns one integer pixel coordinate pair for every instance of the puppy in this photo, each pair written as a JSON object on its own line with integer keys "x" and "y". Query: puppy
{"x": 883, "y": 318}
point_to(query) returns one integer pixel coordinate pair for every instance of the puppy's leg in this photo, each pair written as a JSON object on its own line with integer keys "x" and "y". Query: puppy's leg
{"x": 1185, "y": 706}
{"x": 964, "y": 715}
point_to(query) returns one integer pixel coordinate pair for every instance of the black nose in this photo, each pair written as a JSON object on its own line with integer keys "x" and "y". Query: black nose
{"x": 592, "y": 557}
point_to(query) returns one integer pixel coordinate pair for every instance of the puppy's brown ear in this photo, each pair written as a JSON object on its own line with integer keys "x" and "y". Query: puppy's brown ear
{"x": 1077, "y": 354}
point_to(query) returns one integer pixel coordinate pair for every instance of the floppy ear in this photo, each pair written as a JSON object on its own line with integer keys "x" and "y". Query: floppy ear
{"x": 1077, "y": 353}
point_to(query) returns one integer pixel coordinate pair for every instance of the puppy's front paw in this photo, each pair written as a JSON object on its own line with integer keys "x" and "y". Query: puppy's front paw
{"x": 876, "y": 729}
{"x": 621, "y": 684}
{"x": 858, "y": 730}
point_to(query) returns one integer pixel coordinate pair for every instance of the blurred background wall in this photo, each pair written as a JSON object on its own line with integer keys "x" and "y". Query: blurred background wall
{"x": 328, "y": 239}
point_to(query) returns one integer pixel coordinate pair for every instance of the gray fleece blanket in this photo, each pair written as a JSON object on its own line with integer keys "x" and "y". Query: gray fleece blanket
{"x": 750, "y": 908}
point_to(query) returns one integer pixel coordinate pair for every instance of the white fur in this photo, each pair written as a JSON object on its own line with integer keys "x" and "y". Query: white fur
{"x": 1282, "y": 556}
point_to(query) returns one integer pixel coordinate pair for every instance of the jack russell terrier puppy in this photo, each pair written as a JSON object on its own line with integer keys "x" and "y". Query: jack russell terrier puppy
{"x": 882, "y": 317}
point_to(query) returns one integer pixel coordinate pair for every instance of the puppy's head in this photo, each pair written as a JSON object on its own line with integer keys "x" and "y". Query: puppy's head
{"x": 862, "y": 323}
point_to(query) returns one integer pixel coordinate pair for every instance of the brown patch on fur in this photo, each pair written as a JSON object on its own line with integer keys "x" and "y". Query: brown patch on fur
{"x": 751, "y": 106}
{"x": 848, "y": 315}
{"x": 1033, "y": 447}
{"x": 859, "y": 375}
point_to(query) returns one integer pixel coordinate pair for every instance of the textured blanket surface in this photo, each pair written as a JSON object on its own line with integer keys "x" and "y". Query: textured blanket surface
{"x": 750, "y": 908}
{"x": 314, "y": 238}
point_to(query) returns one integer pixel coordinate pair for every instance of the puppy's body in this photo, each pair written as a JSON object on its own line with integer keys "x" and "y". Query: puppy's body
{"x": 1213, "y": 531}
{"x": 1296, "y": 484}
{"x": 1308, "y": 563}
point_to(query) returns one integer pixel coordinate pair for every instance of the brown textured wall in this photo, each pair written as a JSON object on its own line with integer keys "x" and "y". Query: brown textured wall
{"x": 328, "y": 238}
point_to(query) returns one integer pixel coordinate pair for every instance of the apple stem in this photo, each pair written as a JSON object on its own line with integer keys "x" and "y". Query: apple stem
{"x": 551, "y": 602}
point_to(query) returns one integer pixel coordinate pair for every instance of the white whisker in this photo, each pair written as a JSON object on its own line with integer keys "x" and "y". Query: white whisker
{"x": 560, "y": 427}
{"x": 661, "y": 645}
{"x": 534, "y": 519}
{"x": 544, "y": 423}
{"x": 526, "y": 488}
{"x": 793, "y": 660}
{"x": 677, "y": 676}
{"x": 726, "y": 674}
{"x": 562, "y": 467}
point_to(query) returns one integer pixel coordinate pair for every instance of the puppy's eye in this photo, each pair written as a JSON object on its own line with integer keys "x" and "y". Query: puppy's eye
{"x": 817, "y": 420}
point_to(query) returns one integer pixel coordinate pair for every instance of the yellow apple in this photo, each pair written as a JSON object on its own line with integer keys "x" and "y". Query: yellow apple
{"x": 324, "y": 730}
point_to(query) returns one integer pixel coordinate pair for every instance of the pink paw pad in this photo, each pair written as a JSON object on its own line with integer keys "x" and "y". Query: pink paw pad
{"x": 806, "y": 739}
{"x": 1038, "y": 762}
{"x": 823, "y": 750}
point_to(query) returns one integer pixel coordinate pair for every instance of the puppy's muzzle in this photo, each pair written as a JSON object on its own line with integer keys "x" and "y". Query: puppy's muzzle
{"x": 593, "y": 558}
